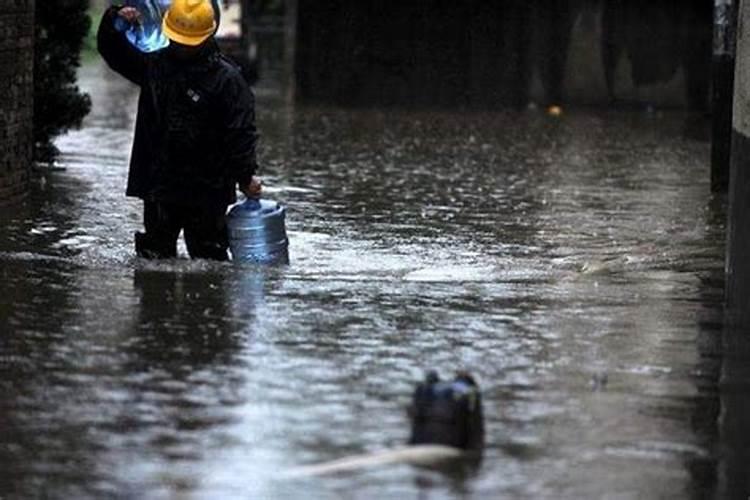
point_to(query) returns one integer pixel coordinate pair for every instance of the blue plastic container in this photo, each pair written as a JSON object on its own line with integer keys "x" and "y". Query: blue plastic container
{"x": 146, "y": 34}
{"x": 257, "y": 232}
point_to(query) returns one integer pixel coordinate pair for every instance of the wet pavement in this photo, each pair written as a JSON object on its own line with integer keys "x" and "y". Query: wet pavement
{"x": 574, "y": 265}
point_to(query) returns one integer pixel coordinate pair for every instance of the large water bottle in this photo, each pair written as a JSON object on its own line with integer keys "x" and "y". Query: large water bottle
{"x": 146, "y": 34}
{"x": 257, "y": 232}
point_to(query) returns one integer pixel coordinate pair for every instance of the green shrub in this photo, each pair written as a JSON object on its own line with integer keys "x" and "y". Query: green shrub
{"x": 61, "y": 28}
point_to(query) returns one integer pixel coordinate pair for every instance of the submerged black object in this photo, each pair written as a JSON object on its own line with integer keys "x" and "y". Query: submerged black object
{"x": 448, "y": 413}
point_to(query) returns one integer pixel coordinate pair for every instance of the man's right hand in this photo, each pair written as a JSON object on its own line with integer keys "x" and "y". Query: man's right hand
{"x": 253, "y": 189}
{"x": 130, "y": 14}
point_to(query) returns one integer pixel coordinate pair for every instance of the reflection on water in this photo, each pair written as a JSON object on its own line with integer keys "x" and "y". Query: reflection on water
{"x": 574, "y": 265}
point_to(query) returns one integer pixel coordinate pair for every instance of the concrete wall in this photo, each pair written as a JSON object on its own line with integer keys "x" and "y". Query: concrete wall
{"x": 738, "y": 229}
{"x": 685, "y": 30}
{"x": 16, "y": 97}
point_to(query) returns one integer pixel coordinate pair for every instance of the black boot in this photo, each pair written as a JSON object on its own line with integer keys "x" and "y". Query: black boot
{"x": 148, "y": 247}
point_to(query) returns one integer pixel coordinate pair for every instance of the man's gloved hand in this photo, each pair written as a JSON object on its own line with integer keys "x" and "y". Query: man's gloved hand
{"x": 253, "y": 189}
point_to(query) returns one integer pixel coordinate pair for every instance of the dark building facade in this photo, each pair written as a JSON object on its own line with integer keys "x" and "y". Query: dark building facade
{"x": 491, "y": 54}
{"x": 16, "y": 97}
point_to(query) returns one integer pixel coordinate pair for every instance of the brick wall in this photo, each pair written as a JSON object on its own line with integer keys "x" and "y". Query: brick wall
{"x": 16, "y": 97}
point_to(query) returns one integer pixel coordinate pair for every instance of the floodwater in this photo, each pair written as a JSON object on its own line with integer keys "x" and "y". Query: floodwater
{"x": 574, "y": 265}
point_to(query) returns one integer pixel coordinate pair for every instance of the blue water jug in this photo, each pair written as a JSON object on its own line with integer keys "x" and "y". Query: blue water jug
{"x": 257, "y": 232}
{"x": 146, "y": 34}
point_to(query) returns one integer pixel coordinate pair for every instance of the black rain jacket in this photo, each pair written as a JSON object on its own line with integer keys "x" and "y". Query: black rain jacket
{"x": 195, "y": 133}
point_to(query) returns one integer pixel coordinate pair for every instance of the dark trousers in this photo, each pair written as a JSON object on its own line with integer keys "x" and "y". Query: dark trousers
{"x": 204, "y": 226}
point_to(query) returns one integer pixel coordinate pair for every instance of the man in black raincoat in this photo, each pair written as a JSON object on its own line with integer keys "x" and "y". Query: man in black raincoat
{"x": 195, "y": 133}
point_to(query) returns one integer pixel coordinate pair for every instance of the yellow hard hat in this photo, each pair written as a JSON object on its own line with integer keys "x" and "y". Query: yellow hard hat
{"x": 189, "y": 22}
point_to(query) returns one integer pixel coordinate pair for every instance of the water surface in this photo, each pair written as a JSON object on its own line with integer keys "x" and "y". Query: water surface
{"x": 574, "y": 265}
